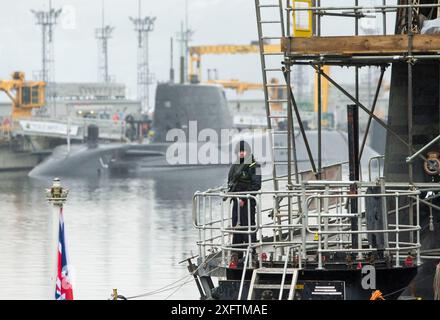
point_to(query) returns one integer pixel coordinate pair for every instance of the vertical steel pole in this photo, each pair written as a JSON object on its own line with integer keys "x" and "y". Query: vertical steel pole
{"x": 318, "y": 4}
{"x": 319, "y": 107}
{"x": 172, "y": 60}
{"x": 353, "y": 158}
{"x": 260, "y": 229}
{"x": 319, "y": 124}
{"x": 419, "y": 261}
{"x": 248, "y": 201}
{"x": 222, "y": 217}
{"x": 326, "y": 211}
{"x": 290, "y": 137}
{"x": 319, "y": 237}
{"x": 291, "y": 126}
{"x": 410, "y": 115}
{"x": 182, "y": 55}
{"x": 357, "y": 68}
{"x": 397, "y": 232}
{"x": 211, "y": 230}
{"x": 204, "y": 229}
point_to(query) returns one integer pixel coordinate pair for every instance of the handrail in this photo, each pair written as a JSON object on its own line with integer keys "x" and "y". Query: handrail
{"x": 308, "y": 221}
{"x": 397, "y": 230}
{"x": 378, "y": 159}
{"x": 415, "y": 155}
{"x": 283, "y": 279}
{"x": 244, "y": 273}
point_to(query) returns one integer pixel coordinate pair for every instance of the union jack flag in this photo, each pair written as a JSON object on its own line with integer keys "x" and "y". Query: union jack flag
{"x": 64, "y": 290}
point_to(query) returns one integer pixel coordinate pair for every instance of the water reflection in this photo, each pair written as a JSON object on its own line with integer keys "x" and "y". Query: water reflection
{"x": 123, "y": 232}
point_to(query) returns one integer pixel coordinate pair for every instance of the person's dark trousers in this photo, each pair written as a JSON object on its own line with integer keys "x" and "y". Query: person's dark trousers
{"x": 242, "y": 212}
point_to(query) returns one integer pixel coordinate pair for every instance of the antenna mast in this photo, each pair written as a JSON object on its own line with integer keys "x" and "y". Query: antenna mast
{"x": 47, "y": 20}
{"x": 143, "y": 26}
{"x": 103, "y": 35}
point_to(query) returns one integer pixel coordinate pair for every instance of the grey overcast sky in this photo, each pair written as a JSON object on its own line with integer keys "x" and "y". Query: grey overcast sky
{"x": 214, "y": 22}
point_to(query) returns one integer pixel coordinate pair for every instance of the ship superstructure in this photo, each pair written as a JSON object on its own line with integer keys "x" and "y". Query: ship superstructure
{"x": 321, "y": 236}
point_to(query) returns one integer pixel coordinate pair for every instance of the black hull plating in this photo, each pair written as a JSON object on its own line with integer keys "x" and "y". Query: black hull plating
{"x": 391, "y": 282}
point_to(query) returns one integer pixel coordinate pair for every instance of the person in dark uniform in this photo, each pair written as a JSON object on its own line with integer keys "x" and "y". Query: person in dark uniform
{"x": 244, "y": 175}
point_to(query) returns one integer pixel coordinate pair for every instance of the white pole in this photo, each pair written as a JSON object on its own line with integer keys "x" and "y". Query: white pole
{"x": 56, "y": 196}
{"x": 68, "y": 133}
{"x": 55, "y": 221}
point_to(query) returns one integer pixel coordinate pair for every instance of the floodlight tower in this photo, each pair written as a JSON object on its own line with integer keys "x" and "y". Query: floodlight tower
{"x": 143, "y": 26}
{"x": 47, "y": 20}
{"x": 103, "y": 34}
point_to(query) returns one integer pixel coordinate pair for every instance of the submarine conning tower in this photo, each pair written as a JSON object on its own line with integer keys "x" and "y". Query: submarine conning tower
{"x": 179, "y": 104}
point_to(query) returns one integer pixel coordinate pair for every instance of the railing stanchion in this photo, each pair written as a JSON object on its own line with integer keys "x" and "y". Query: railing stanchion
{"x": 319, "y": 237}
{"x": 243, "y": 276}
{"x": 397, "y": 232}
{"x": 419, "y": 261}
{"x": 249, "y": 201}
{"x": 359, "y": 221}
{"x": 204, "y": 227}
{"x": 260, "y": 226}
{"x": 305, "y": 208}
{"x": 222, "y": 217}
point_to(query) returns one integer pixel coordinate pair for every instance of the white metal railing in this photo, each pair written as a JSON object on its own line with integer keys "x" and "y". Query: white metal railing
{"x": 108, "y": 129}
{"x": 380, "y": 161}
{"x": 318, "y": 223}
{"x": 397, "y": 228}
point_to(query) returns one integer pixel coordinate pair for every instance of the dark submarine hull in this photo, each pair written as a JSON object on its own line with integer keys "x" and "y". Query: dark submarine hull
{"x": 83, "y": 161}
{"x": 390, "y": 281}
{"x": 176, "y": 106}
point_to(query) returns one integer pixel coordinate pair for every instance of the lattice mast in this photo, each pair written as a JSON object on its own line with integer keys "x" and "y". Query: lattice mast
{"x": 102, "y": 35}
{"x": 143, "y": 26}
{"x": 47, "y": 20}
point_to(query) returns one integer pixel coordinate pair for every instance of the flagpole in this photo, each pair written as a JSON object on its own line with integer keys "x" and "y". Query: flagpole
{"x": 54, "y": 250}
{"x": 56, "y": 196}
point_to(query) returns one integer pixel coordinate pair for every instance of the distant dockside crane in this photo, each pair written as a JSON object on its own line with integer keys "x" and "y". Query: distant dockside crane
{"x": 25, "y": 95}
{"x": 195, "y": 73}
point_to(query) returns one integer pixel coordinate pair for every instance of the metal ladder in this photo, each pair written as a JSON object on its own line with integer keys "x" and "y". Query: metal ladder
{"x": 264, "y": 8}
{"x": 257, "y": 283}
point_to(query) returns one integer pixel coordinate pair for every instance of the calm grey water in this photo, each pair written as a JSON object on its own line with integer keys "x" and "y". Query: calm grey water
{"x": 127, "y": 233}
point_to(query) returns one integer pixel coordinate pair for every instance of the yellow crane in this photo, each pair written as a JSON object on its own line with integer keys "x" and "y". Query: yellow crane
{"x": 240, "y": 87}
{"x": 25, "y": 95}
{"x": 324, "y": 91}
{"x": 237, "y": 85}
{"x": 196, "y": 53}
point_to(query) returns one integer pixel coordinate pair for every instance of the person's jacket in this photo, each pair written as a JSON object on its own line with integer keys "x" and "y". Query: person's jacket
{"x": 244, "y": 176}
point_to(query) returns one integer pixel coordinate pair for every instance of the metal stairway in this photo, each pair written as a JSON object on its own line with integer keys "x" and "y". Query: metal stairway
{"x": 268, "y": 279}
{"x": 271, "y": 63}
